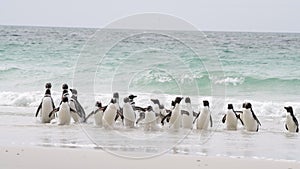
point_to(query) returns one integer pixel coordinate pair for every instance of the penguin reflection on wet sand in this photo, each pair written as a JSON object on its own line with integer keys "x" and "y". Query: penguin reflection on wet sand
{"x": 204, "y": 117}
{"x": 250, "y": 120}
{"x": 291, "y": 123}
{"x": 46, "y": 106}
{"x": 231, "y": 118}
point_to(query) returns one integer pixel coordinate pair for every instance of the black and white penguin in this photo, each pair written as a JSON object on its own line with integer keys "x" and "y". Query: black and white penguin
{"x": 204, "y": 117}
{"x": 175, "y": 119}
{"x": 150, "y": 120}
{"x": 128, "y": 113}
{"x": 64, "y": 112}
{"x": 98, "y": 114}
{"x": 291, "y": 123}
{"x": 231, "y": 118}
{"x": 46, "y": 106}
{"x": 250, "y": 120}
{"x": 187, "y": 115}
{"x": 78, "y": 106}
{"x": 110, "y": 114}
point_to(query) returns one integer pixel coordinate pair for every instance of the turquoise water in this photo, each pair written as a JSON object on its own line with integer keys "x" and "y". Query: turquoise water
{"x": 223, "y": 67}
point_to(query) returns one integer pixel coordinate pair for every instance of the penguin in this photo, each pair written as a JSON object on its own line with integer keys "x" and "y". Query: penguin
{"x": 150, "y": 119}
{"x": 231, "y": 118}
{"x": 175, "y": 119}
{"x": 291, "y": 123}
{"x": 64, "y": 112}
{"x": 46, "y": 106}
{"x": 110, "y": 114}
{"x": 128, "y": 113}
{"x": 98, "y": 114}
{"x": 187, "y": 115}
{"x": 158, "y": 110}
{"x": 250, "y": 120}
{"x": 78, "y": 106}
{"x": 116, "y": 98}
{"x": 204, "y": 117}
{"x": 169, "y": 112}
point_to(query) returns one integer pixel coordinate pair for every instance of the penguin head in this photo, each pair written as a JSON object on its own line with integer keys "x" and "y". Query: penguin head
{"x": 244, "y": 105}
{"x": 205, "y": 103}
{"x": 126, "y": 100}
{"x": 178, "y": 100}
{"x": 65, "y": 86}
{"x": 230, "y": 106}
{"x": 48, "y": 92}
{"x": 116, "y": 95}
{"x": 248, "y": 106}
{"x": 289, "y": 109}
{"x": 98, "y": 104}
{"x": 48, "y": 85}
{"x": 131, "y": 97}
{"x": 187, "y": 100}
{"x": 65, "y": 99}
{"x": 73, "y": 91}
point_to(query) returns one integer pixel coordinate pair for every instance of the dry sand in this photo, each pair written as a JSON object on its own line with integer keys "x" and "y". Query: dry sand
{"x": 55, "y": 158}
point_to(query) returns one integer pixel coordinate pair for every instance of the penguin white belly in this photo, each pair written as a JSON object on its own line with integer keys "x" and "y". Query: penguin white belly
{"x": 249, "y": 122}
{"x": 64, "y": 116}
{"x": 109, "y": 116}
{"x": 292, "y": 127}
{"x": 46, "y": 109}
{"x": 150, "y": 121}
{"x": 98, "y": 118}
{"x": 203, "y": 119}
{"x": 187, "y": 120}
{"x": 129, "y": 115}
{"x": 175, "y": 120}
{"x": 231, "y": 121}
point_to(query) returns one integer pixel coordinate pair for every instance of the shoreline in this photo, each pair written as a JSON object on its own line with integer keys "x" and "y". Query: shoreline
{"x": 13, "y": 157}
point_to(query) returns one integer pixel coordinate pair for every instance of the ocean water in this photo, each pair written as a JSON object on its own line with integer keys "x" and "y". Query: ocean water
{"x": 222, "y": 67}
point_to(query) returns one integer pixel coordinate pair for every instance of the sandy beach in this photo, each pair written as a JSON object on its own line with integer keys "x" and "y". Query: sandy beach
{"x": 49, "y": 158}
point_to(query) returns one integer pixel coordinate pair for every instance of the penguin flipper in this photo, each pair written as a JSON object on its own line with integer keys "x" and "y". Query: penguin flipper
{"x": 53, "y": 111}
{"x": 211, "y": 122}
{"x": 140, "y": 109}
{"x": 38, "y": 109}
{"x": 194, "y": 114}
{"x": 196, "y": 117}
{"x": 297, "y": 130}
{"x": 185, "y": 112}
{"x": 296, "y": 121}
{"x": 255, "y": 118}
{"x": 239, "y": 117}
{"x": 93, "y": 112}
{"x": 224, "y": 119}
{"x": 286, "y": 127}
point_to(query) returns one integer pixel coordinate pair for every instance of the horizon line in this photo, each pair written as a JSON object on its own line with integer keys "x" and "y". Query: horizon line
{"x": 83, "y": 27}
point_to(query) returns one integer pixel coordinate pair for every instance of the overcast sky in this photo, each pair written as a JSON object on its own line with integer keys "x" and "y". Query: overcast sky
{"x": 214, "y": 15}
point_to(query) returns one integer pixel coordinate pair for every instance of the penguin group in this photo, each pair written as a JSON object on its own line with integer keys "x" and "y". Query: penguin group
{"x": 153, "y": 117}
